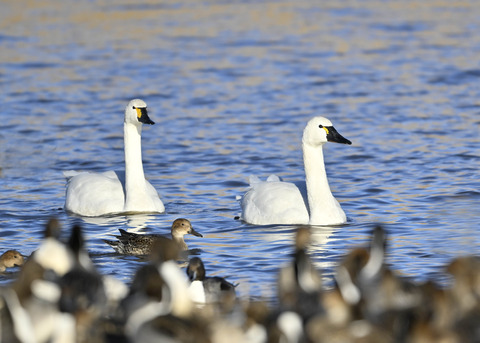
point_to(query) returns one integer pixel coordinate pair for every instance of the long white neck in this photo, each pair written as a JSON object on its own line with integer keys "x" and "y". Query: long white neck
{"x": 135, "y": 186}
{"x": 323, "y": 207}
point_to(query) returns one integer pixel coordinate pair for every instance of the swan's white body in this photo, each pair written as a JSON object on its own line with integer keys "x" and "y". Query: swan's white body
{"x": 310, "y": 202}
{"x": 95, "y": 194}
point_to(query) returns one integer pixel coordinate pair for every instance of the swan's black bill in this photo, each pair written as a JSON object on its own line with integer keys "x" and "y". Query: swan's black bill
{"x": 143, "y": 117}
{"x": 334, "y": 136}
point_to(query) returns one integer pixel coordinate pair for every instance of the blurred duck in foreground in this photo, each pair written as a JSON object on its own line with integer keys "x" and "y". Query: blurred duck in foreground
{"x": 205, "y": 289}
{"x": 10, "y": 259}
{"x": 158, "y": 307}
{"x": 141, "y": 244}
{"x": 59, "y": 296}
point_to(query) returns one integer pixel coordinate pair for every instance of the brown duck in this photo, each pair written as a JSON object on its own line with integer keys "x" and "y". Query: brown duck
{"x": 129, "y": 243}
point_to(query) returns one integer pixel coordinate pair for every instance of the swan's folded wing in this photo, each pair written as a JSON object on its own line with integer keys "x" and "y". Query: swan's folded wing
{"x": 274, "y": 202}
{"x": 94, "y": 194}
{"x": 110, "y": 174}
{"x": 152, "y": 192}
{"x": 70, "y": 173}
{"x": 273, "y": 178}
{"x": 253, "y": 179}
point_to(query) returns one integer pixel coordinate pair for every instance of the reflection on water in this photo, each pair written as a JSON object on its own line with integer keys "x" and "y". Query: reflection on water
{"x": 231, "y": 86}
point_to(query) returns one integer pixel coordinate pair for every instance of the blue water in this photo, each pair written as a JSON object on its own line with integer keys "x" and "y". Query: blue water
{"x": 231, "y": 86}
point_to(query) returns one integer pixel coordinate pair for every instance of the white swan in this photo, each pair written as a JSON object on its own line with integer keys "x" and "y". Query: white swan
{"x": 95, "y": 194}
{"x": 309, "y": 202}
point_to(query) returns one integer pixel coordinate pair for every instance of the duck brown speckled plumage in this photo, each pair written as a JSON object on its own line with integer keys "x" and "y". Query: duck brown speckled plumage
{"x": 9, "y": 259}
{"x": 138, "y": 244}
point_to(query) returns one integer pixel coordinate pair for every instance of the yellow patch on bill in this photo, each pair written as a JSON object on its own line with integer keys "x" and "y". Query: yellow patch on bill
{"x": 325, "y": 129}
{"x": 139, "y": 112}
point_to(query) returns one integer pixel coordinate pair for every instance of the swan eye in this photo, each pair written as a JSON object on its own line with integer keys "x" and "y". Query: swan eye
{"x": 133, "y": 107}
{"x": 323, "y": 127}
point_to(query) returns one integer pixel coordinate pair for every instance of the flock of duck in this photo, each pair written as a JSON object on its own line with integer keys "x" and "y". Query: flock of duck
{"x": 59, "y": 296}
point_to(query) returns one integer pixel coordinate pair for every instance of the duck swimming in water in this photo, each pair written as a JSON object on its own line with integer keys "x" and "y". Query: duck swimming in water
{"x": 129, "y": 243}
{"x": 9, "y": 259}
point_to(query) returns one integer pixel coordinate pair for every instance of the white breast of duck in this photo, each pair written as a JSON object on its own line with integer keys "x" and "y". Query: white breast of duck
{"x": 207, "y": 289}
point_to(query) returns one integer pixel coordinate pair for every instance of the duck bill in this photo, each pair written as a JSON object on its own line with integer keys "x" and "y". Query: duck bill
{"x": 195, "y": 233}
{"x": 191, "y": 275}
{"x": 334, "y": 136}
{"x": 143, "y": 117}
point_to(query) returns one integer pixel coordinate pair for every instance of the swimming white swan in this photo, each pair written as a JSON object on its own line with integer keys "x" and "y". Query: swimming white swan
{"x": 95, "y": 194}
{"x": 310, "y": 202}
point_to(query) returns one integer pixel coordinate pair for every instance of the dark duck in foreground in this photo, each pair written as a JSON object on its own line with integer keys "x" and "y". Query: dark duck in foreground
{"x": 205, "y": 289}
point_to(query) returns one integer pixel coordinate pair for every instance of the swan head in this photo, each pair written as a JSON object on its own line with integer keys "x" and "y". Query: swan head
{"x": 320, "y": 130}
{"x": 136, "y": 113}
